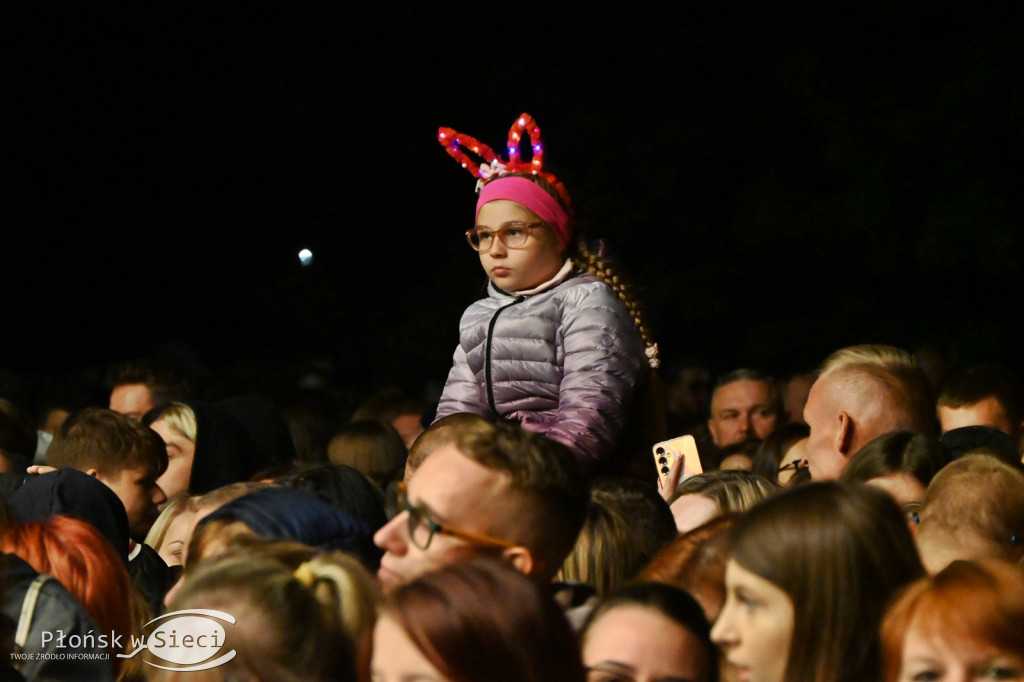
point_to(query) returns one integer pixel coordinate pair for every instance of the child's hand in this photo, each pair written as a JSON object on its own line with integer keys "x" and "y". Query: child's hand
{"x": 667, "y": 486}
{"x": 40, "y": 469}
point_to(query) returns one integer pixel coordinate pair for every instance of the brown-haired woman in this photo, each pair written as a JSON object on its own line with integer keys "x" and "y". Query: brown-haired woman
{"x": 647, "y": 632}
{"x": 476, "y": 621}
{"x": 809, "y": 574}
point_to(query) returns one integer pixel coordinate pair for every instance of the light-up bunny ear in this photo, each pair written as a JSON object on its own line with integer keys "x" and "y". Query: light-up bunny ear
{"x": 490, "y": 165}
{"x": 457, "y": 144}
{"x": 525, "y": 125}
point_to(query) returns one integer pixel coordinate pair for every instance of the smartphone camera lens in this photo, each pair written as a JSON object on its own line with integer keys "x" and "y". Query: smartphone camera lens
{"x": 664, "y": 470}
{"x": 660, "y": 451}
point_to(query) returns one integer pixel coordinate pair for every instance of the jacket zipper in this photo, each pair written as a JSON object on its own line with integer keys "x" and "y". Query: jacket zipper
{"x": 487, "y": 359}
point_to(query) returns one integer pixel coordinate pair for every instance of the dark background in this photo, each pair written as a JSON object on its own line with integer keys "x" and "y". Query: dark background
{"x": 777, "y": 184}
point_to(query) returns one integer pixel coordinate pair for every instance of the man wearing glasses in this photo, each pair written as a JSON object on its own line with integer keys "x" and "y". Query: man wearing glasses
{"x": 498, "y": 490}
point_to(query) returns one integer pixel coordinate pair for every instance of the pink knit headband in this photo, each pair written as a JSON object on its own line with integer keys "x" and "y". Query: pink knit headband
{"x": 530, "y": 195}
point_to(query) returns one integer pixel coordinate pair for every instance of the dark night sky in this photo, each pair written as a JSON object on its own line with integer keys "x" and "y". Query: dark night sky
{"x": 777, "y": 185}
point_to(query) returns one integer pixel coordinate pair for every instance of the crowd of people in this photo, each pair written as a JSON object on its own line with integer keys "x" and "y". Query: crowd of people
{"x": 861, "y": 521}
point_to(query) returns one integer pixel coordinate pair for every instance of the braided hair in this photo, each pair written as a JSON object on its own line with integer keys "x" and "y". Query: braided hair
{"x": 596, "y": 265}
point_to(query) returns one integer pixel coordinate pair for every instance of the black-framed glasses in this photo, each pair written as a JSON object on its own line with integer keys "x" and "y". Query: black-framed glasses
{"x": 422, "y": 528}
{"x": 512, "y": 235}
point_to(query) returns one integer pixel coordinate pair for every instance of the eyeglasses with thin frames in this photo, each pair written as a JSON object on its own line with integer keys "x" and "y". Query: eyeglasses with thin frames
{"x": 422, "y": 528}
{"x": 512, "y": 235}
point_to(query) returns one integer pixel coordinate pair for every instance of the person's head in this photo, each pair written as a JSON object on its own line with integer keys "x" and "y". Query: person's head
{"x": 260, "y": 431}
{"x": 370, "y": 446}
{"x": 687, "y": 392}
{"x": 499, "y": 490}
{"x": 170, "y": 532}
{"x": 810, "y": 571}
{"x": 782, "y": 453}
{"x": 648, "y": 632}
{"x": 900, "y": 462}
{"x": 392, "y": 406}
{"x": 212, "y": 445}
{"x": 289, "y": 625}
{"x": 627, "y": 523}
{"x": 605, "y": 554}
{"x": 739, "y": 456}
{"x": 744, "y": 404}
{"x": 861, "y": 393}
{"x": 701, "y": 498}
{"x": 122, "y": 453}
{"x": 442, "y": 432}
{"x": 973, "y": 509}
{"x": 982, "y": 440}
{"x": 198, "y": 508}
{"x": 518, "y": 249}
{"x": 642, "y": 507}
{"x": 203, "y": 505}
{"x": 139, "y": 386}
{"x": 175, "y": 423}
{"x": 280, "y": 513}
{"x": 965, "y": 623}
{"x": 794, "y": 395}
{"x": 80, "y": 558}
{"x": 695, "y": 562}
{"x": 474, "y": 621}
{"x": 359, "y": 595}
{"x": 74, "y": 493}
{"x": 342, "y": 487}
{"x": 524, "y": 222}
{"x": 983, "y": 395}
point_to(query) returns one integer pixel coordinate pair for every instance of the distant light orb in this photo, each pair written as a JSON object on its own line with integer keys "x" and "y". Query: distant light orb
{"x": 305, "y": 257}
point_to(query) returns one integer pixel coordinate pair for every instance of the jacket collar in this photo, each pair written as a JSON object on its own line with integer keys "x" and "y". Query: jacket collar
{"x": 560, "y": 276}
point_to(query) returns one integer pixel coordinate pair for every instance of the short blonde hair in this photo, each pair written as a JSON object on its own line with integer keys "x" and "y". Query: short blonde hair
{"x": 891, "y": 377}
{"x": 180, "y": 418}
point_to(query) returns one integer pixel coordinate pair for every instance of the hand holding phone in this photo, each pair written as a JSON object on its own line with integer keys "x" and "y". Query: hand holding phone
{"x": 675, "y": 459}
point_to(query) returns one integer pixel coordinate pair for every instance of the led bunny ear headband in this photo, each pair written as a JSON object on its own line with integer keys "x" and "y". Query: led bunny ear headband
{"x": 518, "y": 189}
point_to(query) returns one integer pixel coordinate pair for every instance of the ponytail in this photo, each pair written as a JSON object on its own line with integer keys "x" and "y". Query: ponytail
{"x": 342, "y": 586}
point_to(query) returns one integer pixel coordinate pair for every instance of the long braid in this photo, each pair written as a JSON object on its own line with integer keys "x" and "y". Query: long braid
{"x": 597, "y": 266}
{"x": 604, "y": 271}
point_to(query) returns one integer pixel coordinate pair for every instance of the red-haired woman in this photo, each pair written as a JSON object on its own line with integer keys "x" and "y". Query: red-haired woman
{"x": 85, "y": 563}
{"x": 965, "y": 623}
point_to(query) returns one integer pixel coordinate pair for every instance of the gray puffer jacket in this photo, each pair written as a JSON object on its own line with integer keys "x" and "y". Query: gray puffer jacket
{"x": 563, "y": 362}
